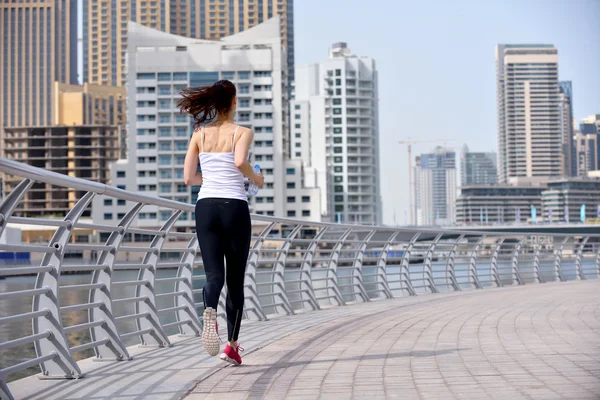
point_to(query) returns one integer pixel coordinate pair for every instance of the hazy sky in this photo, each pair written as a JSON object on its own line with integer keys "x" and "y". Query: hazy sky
{"x": 436, "y": 65}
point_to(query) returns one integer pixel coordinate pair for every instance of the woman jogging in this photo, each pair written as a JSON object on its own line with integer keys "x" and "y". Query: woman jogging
{"x": 222, "y": 217}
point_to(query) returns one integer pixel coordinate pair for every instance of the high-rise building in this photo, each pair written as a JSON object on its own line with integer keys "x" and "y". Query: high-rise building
{"x": 435, "y": 187}
{"x": 81, "y": 151}
{"x": 105, "y": 28}
{"x": 334, "y": 125}
{"x": 586, "y": 146}
{"x": 566, "y": 127}
{"x": 478, "y": 168}
{"x": 590, "y": 129}
{"x": 88, "y": 105}
{"x": 161, "y": 66}
{"x": 38, "y": 47}
{"x": 530, "y": 142}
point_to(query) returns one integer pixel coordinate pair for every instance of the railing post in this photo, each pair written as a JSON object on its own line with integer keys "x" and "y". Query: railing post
{"x": 427, "y": 263}
{"x": 11, "y": 201}
{"x": 558, "y": 260}
{"x": 115, "y": 349}
{"x": 381, "y": 274}
{"x": 279, "y": 273}
{"x": 515, "y": 261}
{"x": 494, "y": 263}
{"x": 357, "y": 279}
{"x": 450, "y": 264}
{"x": 4, "y": 391}
{"x": 472, "y": 273}
{"x": 536, "y": 263}
{"x": 189, "y": 314}
{"x": 578, "y": 268}
{"x": 404, "y": 270}
{"x": 306, "y": 270}
{"x": 251, "y": 299}
{"x": 63, "y": 365}
{"x": 332, "y": 265}
{"x": 157, "y": 336}
{"x": 598, "y": 262}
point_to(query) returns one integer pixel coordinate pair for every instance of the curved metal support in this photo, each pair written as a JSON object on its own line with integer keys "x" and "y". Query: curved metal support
{"x": 252, "y": 301}
{"x": 494, "y": 263}
{"x": 11, "y": 201}
{"x": 536, "y": 263}
{"x": 472, "y": 273}
{"x": 115, "y": 349}
{"x": 450, "y": 265}
{"x": 4, "y": 392}
{"x": 279, "y": 274}
{"x": 63, "y": 365}
{"x": 404, "y": 271}
{"x": 427, "y": 269}
{"x": 515, "y": 261}
{"x": 381, "y": 275}
{"x": 557, "y": 261}
{"x": 188, "y": 313}
{"x": 157, "y": 336}
{"x": 332, "y": 265}
{"x": 357, "y": 278}
{"x": 578, "y": 268}
{"x": 306, "y": 286}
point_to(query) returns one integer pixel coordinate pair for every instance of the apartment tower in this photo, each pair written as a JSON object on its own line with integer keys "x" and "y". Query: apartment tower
{"x": 38, "y": 47}
{"x": 105, "y": 27}
{"x": 530, "y": 142}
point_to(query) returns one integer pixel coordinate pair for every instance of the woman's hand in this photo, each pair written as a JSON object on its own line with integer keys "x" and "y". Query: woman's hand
{"x": 259, "y": 180}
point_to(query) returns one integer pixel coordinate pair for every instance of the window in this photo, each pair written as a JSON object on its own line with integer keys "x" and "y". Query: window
{"x": 181, "y": 188}
{"x": 291, "y": 199}
{"x": 338, "y": 92}
{"x": 297, "y": 107}
{"x": 337, "y": 130}
{"x": 244, "y": 74}
{"x": 120, "y": 202}
{"x": 290, "y": 171}
{"x": 337, "y": 102}
{"x": 337, "y": 140}
{"x": 121, "y": 215}
{"x": 108, "y": 216}
{"x": 120, "y": 174}
{"x": 244, "y": 89}
{"x": 337, "y": 150}
{"x": 180, "y": 76}
{"x": 291, "y": 185}
{"x": 339, "y": 189}
{"x": 298, "y": 135}
{"x": 297, "y": 126}
{"x": 306, "y": 213}
{"x": 122, "y": 187}
{"x": 337, "y": 121}
{"x": 165, "y": 146}
{"x": 108, "y": 202}
{"x": 298, "y": 154}
{"x": 339, "y": 179}
{"x": 164, "y": 131}
{"x": 338, "y": 169}
{"x": 164, "y": 76}
{"x": 291, "y": 213}
{"x": 269, "y": 199}
{"x": 258, "y": 74}
{"x": 337, "y": 111}
{"x": 164, "y": 215}
{"x": 165, "y": 188}
{"x": 164, "y": 118}
{"x": 165, "y": 174}
{"x": 165, "y": 160}
{"x": 141, "y": 188}
{"x": 339, "y": 199}
{"x": 181, "y": 146}
{"x": 338, "y": 72}
{"x": 229, "y": 75}
{"x": 245, "y": 103}
{"x": 164, "y": 104}
{"x": 142, "y": 76}
{"x": 270, "y": 213}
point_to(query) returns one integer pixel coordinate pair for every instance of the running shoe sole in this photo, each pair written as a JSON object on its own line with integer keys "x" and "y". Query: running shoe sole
{"x": 210, "y": 337}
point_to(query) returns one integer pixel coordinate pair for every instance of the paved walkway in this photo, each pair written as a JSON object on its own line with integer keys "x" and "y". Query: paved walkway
{"x": 528, "y": 342}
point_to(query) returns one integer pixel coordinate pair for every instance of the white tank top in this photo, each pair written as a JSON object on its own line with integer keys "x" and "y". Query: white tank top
{"x": 220, "y": 176}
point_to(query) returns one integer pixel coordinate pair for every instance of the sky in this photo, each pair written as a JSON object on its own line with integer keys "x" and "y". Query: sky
{"x": 437, "y": 68}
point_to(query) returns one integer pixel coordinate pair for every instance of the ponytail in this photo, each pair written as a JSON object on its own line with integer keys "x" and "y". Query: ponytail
{"x": 205, "y": 103}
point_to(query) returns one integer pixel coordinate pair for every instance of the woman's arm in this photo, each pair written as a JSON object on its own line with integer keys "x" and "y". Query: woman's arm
{"x": 191, "y": 177}
{"x": 242, "y": 147}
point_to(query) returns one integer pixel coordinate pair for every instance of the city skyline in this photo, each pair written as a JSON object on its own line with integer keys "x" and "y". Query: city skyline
{"x": 446, "y": 72}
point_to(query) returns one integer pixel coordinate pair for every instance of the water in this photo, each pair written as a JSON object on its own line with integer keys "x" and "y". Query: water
{"x": 253, "y": 187}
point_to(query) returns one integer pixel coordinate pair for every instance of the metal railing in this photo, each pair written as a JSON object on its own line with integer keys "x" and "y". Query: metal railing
{"x": 292, "y": 265}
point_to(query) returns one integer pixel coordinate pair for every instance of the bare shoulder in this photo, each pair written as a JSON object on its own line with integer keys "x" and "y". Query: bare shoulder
{"x": 244, "y": 132}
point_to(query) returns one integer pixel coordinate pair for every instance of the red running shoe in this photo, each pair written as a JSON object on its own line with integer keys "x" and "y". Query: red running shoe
{"x": 231, "y": 355}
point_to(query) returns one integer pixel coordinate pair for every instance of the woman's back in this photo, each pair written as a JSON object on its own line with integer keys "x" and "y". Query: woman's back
{"x": 221, "y": 178}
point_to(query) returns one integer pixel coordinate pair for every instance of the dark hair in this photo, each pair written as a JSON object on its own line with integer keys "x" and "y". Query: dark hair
{"x": 205, "y": 103}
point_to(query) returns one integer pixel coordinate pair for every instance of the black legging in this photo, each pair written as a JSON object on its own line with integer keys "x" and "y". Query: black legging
{"x": 223, "y": 227}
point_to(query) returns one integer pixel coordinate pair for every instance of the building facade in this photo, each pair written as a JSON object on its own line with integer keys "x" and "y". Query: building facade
{"x": 162, "y": 65}
{"x": 105, "y": 40}
{"x": 88, "y": 105}
{"x": 334, "y": 131}
{"x": 564, "y": 198}
{"x": 530, "y": 141}
{"x": 498, "y": 204}
{"x": 566, "y": 128}
{"x": 81, "y": 151}
{"x": 478, "y": 168}
{"x": 590, "y": 129}
{"x": 585, "y": 153}
{"x": 435, "y": 188}
{"x": 38, "y": 47}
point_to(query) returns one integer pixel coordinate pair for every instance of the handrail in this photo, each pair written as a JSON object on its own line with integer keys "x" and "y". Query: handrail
{"x": 335, "y": 265}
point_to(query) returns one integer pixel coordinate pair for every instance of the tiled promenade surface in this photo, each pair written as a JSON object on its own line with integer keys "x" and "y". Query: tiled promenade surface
{"x": 527, "y": 342}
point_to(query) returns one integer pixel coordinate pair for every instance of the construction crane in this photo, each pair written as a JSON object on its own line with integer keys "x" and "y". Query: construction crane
{"x": 409, "y": 142}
